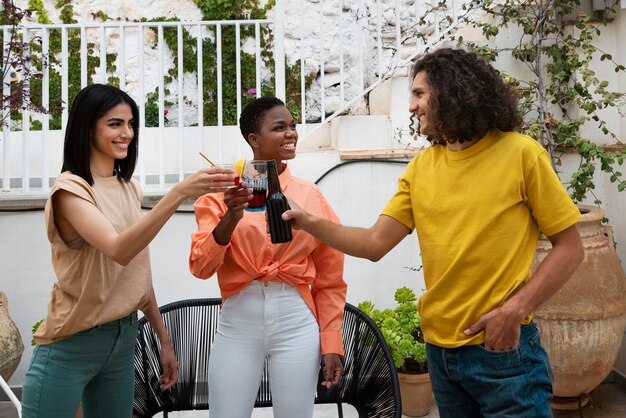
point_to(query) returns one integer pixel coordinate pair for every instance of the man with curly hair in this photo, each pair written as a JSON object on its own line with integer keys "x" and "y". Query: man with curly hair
{"x": 477, "y": 199}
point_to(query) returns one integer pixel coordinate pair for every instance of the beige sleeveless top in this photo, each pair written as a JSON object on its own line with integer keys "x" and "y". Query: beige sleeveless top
{"x": 90, "y": 288}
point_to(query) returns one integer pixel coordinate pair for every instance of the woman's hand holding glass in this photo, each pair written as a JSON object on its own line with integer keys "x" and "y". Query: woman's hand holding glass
{"x": 237, "y": 199}
{"x": 206, "y": 180}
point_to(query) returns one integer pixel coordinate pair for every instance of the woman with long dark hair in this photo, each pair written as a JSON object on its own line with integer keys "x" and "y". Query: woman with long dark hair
{"x": 99, "y": 239}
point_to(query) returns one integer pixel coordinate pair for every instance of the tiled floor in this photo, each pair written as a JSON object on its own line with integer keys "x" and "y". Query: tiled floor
{"x": 608, "y": 401}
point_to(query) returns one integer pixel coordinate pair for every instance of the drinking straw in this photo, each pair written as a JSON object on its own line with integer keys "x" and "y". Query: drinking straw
{"x": 207, "y": 158}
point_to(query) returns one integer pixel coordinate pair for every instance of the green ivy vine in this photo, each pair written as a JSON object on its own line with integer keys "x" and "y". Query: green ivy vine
{"x": 557, "y": 44}
{"x": 211, "y": 10}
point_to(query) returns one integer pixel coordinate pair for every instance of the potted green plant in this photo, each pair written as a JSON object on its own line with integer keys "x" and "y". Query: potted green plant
{"x": 401, "y": 329}
{"x": 553, "y": 52}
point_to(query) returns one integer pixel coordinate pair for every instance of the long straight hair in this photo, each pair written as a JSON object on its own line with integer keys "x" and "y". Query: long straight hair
{"x": 90, "y": 104}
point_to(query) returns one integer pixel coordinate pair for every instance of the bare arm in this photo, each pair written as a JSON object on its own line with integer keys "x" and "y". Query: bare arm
{"x": 169, "y": 377}
{"x": 236, "y": 200}
{"x": 502, "y": 324}
{"x": 76, "y": 218}
{"x": 371, "y": 243}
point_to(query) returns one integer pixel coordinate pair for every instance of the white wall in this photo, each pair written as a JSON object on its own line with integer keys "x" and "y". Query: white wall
{"x": 26, "y": 275}
{"x": 357, "y": 192}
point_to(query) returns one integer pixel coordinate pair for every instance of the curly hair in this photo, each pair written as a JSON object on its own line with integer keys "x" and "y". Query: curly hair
{"x": 252, "y": 115}
{"x": 468, "y": 97}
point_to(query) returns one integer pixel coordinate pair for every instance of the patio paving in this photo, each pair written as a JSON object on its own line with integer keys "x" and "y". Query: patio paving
{"x": 609, "y": 401}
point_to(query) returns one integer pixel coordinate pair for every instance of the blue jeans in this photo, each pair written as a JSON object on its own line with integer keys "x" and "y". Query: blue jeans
{"x": 471, "y": 381}
{"x": 95, "y": 366}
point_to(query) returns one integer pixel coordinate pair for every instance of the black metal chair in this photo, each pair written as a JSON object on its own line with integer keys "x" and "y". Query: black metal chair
{"x": 370, "y": 382}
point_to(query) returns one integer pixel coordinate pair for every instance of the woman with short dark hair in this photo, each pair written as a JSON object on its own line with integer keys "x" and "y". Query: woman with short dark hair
{"x": 282, "y": 303}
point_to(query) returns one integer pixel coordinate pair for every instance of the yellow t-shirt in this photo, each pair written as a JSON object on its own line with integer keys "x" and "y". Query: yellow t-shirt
{"x": 92, "y": 289}
{"x": 477, "y": 213}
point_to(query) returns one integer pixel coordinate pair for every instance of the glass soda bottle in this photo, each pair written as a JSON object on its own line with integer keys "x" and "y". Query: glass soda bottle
{"x": 276, "y": 204}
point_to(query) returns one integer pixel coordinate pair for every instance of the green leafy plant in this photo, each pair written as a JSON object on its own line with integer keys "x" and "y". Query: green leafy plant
{"x": 560, "y": 91}
{"x": 402, "y": 332}
{"x": 224, "y": 10}
{"x": 35, "y": 328}
{"x": 211, "y": 9}
{"x": 21, "y": 69}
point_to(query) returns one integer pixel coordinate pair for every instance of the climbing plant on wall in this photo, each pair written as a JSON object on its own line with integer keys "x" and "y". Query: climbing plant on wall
{"x": 212, "y": 10}
{"x": 21, "y": 70}
{"x": 557, "y": 44}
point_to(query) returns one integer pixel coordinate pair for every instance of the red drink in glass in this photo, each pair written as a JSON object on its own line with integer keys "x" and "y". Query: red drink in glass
{"x": 258, "y": 200}
{"x": 255, "y": 177}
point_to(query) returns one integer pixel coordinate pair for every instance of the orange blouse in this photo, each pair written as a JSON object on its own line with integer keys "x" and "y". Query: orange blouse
{"x": 313, "y": 267}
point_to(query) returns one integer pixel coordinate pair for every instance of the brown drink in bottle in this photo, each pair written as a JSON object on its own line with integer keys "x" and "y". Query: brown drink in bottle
{"x": 276, "y": 204}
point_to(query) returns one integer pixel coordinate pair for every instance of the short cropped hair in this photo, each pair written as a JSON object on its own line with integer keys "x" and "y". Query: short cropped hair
{"x": 468, "y": 97}
{"x": 252, "y": 115}
{"x": 90, "y": 104}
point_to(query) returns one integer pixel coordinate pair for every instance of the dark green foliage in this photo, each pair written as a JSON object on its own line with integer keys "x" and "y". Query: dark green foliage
{"x": 22, "y": 64}
{"x": 212, "y": 10}
{"x": 557, "y": 44}
{"x": 402, "y": 331}
{"x": 35, "y": 328}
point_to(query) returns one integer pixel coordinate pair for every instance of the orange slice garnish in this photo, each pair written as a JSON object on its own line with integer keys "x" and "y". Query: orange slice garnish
{"x": 239, "y": 166}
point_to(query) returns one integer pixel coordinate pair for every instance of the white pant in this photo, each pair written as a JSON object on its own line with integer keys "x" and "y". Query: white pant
{"x": 264, "y": 320}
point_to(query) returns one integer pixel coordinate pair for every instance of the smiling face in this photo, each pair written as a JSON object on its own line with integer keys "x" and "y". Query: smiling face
{"x": 420, "y": 97}
{"x": 277, "y": 136}
{"x": 110, "y": 138}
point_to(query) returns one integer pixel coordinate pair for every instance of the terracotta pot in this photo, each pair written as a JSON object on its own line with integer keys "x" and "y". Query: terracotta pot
{"x": 416, "y": 394}
{"x": 582, "y": 325}
{"x": 11, "y": 346}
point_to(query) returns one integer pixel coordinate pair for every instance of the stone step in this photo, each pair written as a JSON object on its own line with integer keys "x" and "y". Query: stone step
{"x": 7, "y": 410}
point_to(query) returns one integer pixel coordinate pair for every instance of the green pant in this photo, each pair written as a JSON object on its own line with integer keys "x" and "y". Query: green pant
{"x": 95, "y": 366}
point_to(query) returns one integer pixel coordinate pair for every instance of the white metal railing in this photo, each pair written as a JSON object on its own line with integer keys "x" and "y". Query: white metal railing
{"x": 343, "y": 51}
{"x": 5, "y": 387}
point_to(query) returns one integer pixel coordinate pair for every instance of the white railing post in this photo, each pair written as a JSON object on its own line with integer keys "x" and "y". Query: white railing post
{"x": 344, "y": 75}
{"x": 361, "y": 15}
{"x": 200, "y": 72}
{"x": 122, "y": 57}
{"x": 161, "y": 118}
{"x": 181, "y": 106}
{"x": 6, "y": 119}
{"x": 279, "y": 49}
{"x": 238, "y": 76}
{"x": 379, "y": 38}
{"x": 103, "y": 54}
{"x": 257, "y": 51}
{"x": 45, "y": 100}
{"x": 220, "y": 92}
{"x": 341, "y": 64}
{"x": 302, "y": 80}
{"x": 5, "y": 387}
{"x": 142, "y": 105}
{"x": 238, "y": 65}
{"x": 398, "y": 60}
{"x": 322, "y": 67}
{"x": 83, "y": 57}
{"x": 26, "y": 119}
{"x": 64, "y": 76}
